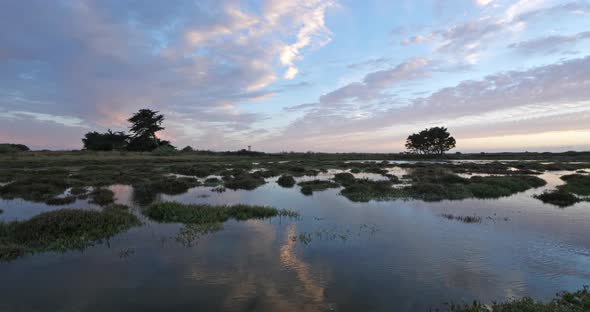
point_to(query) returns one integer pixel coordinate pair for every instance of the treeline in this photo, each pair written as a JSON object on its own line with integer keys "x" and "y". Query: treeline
{"x": 142, "y": 137}
{"x": 13, "y": 148}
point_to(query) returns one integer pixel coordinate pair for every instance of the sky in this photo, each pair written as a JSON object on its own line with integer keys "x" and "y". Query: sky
{"x": 300, "y": 75}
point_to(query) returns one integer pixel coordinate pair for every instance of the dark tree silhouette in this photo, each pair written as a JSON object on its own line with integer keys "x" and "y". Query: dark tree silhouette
{"x": 14, "y": 147}
{"x": 436, "y": 140}
{"x": 107, "y": 141}
{"x": 144, "y": 125}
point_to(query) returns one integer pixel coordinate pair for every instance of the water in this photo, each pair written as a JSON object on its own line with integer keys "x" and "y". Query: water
{"x": 377, "y": 256}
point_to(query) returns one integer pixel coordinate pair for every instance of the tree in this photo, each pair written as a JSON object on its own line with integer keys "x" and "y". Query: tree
{"x": 436, "y": 140}
{"x": 10, "y": 147}
{"x": 144, "y": 125}
{"x": 107, "y": 141}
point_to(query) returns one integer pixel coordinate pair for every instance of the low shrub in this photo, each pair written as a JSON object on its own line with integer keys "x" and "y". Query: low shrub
{"x": 286, "y": 181}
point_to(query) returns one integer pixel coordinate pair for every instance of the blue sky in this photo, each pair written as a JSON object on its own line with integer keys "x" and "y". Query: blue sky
{"x": 299, "y": 75}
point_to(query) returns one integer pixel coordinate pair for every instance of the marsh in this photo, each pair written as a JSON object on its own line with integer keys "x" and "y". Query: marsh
{"x": 408, "y": 234}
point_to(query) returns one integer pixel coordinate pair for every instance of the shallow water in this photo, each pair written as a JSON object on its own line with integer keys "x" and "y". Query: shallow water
{"x": 378, "y": 256}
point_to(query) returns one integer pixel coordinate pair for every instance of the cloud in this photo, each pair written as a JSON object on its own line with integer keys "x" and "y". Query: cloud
{"x": 482, "y": 2}
{"x": 300, "y": 107}
{"x": 370, "y": 63}
{"x": 310, "y": 16}
{"x": 516, "y": 96}
{"x": 99, "y": 61}
{"x": 466, "y": 41}
{"x": 549, "y": 44}
{"x": 375, "y": 82}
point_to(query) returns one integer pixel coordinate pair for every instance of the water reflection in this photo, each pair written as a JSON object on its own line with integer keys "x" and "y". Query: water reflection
{"x": 398, "y": 255}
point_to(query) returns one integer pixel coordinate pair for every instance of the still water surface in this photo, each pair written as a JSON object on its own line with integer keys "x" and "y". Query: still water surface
{"x": 376, "y": 256}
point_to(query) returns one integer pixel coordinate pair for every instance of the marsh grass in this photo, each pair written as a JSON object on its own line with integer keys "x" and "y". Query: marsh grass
{"x": 212, "y": 182}
{"x": 102, "y": 197}
{"x": 308, "y": 187}
{"x": 364, "y": 190}
{"x": 436, "y": 184}
{"x": 62, "y": 230}
{"x": 243, "y": 181}
{"x": 174, "y": 212}
{"x": 559, "y": 197}
{"x": 578, "y": 301}
{"x": 60, "y": 201}
{"x": 344, "y": 178}
{"x": 577, "y": 183}
{"x": 78, "y": 190}
{"x": 146, "y": 191}
{"x": 35, "y": 188}
{"x": 464, "y": 219}
{"x": 190, "y": 234}
{"x": 286, "y": 181}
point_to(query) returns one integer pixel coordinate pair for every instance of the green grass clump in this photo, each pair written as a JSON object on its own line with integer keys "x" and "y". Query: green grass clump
{"x": 102, "y": 197}
{"x": 308, "y": 187}
{"x": 35, "y": 188}
{"x": 344, "y": 178}
{"x": 436, "y": 192}
{"x": 577, "y": 184}
{"x": 364, "y": 190}
{"x": 213, "y": 182}
{"x": 62, "y": 230}
{"x": 78, "y": 190}
{"x": 286, "y": 181}
{"x": 59, "y": 201}
{"x": 435, "y": 184}
{"x": 558, "y": 197}
{"x": 173, "y": 212}
{"x": 168, "y": 185}
{"x": 243, "y": 181}
{"x": 577, "y": 301}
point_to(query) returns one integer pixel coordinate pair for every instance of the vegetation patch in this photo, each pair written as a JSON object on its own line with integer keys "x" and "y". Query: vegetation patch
{"x": 174, "y": 212}
{"x": 78, "y": 190}
{"x": 286, "y": 181}
{"x": 577, "y": 183}
{"x": 464, "y": 219}
{"x": 437, "y": 184}
{"x": 102, "y": 197}
{"x": 36, "y": 188}
{"x": 168, "y": 185}
{"x": 308, "y": 187}
{"x": 243, "y": 181}
{"x": 364, "y": 190}
{"x": 60, "y": 201}
{"x": 62, "y": 230}
{"x": 344, "y": 178}
{"x": 558, "y": 197}
{"x": 577, "y": 301}
{"x": 212, "y": 182}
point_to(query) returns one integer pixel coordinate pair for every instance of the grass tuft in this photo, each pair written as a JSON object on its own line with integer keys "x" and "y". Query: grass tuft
{"x": 286, "y": 181}
{"x": 577, "y": 301}
{"x": 243, "y": 181}
{"x": 60, "y": 201}
{"x": 174, "y": 212}
{"x": 464, "y": 219}
{"x": 308, "y": 187}
{"x": 558, "y": 197}
{"x": 102, "y": 197}
{"x": 62, "y": 230}
{"x": 344, "y": 178}
{"x": 577, "y": 184}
